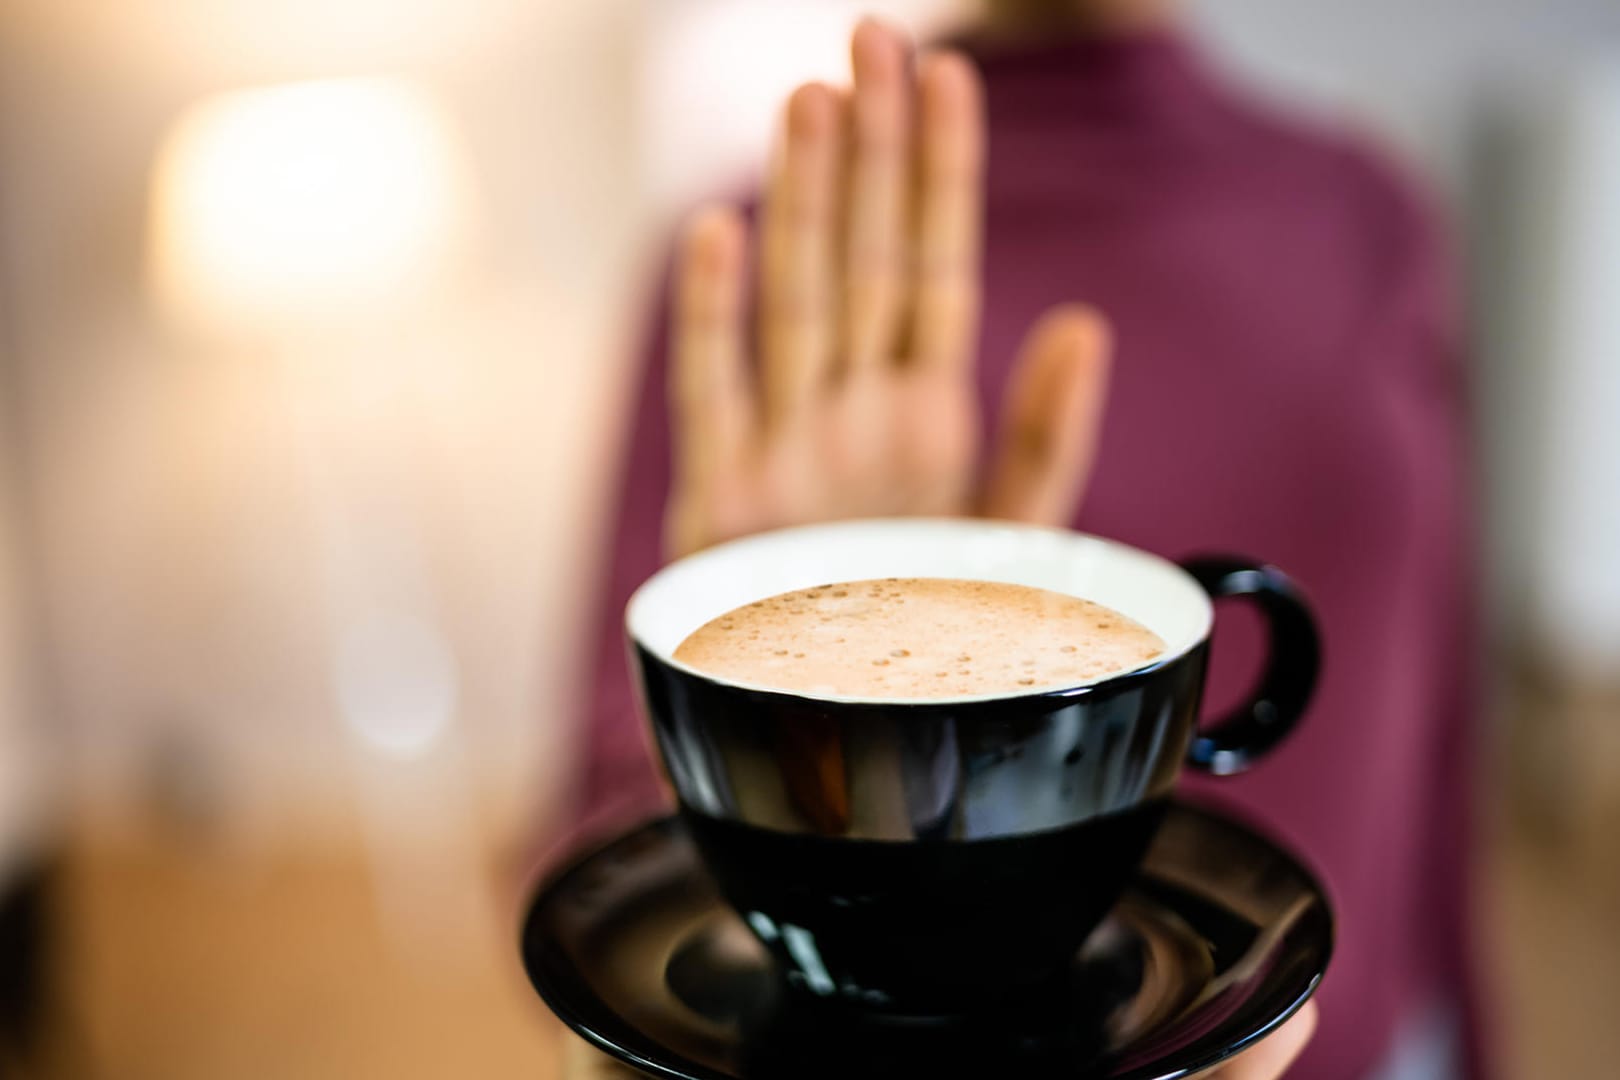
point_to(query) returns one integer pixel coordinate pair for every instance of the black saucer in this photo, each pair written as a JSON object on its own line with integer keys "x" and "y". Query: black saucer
{"x": 1221, "y": 937}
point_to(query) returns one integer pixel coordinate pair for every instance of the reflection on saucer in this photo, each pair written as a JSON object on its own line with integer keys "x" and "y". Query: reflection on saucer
{"x": 1219, "y": 939}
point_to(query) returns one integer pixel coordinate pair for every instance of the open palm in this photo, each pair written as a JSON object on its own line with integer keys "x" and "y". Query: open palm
{"x": 856, "y": 395}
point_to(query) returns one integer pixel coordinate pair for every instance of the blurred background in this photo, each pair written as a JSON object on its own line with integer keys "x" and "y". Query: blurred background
{"x": 314, "y": 330}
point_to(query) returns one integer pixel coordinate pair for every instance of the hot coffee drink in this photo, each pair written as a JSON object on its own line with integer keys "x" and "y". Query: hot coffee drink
{"x": 850, "y": 901}
{"x": 922, "y": 788}
{"x": 919, "y": 638}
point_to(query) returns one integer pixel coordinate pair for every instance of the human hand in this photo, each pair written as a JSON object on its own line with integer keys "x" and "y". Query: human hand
{"x": 582, "y": 1061}
{"x": 1271, "y": 1057}
{"x": 861, "y": 399}
{"x": 1268, "y": 1060}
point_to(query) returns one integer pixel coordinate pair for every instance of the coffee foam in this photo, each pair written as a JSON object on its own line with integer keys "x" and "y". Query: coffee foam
{"x": 918, "y": 638}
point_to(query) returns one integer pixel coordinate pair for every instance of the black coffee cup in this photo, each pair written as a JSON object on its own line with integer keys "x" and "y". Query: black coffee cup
{"x": 932, "y": 857}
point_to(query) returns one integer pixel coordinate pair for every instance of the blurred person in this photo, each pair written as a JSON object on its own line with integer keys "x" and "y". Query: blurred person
{"x": 1267, "y": 363}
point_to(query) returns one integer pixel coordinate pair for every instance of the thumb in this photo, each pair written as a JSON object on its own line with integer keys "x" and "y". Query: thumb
{"x": 1052, "y": 419}
{"x": 584, "y": 1062}
{"x": 1270, "y": 1058}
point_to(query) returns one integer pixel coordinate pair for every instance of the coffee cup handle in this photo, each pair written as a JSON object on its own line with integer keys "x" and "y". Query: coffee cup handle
{"x": 1250, "y": 731}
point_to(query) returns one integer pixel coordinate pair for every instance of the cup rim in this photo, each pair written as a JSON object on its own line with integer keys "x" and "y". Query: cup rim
{"x": 638, "y": 610}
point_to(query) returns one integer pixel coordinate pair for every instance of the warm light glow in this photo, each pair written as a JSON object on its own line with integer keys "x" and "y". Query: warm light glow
{"x": 396, "y": 682}
{"x": 305, "y": 203}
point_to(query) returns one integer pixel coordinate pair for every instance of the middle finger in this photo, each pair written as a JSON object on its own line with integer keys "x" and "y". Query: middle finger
{"x": 797, "y": 263}
{"x": 880, "y": 169}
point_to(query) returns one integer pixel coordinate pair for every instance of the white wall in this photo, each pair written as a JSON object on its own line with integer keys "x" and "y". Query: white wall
{"x": 1550, "y": 277}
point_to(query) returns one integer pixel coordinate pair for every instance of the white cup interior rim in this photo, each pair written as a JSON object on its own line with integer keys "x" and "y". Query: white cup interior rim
{"x": 691, "y": 591}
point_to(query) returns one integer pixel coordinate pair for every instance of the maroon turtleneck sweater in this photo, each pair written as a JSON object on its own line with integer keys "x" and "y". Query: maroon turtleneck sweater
{"x": 1287, "y": 385}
